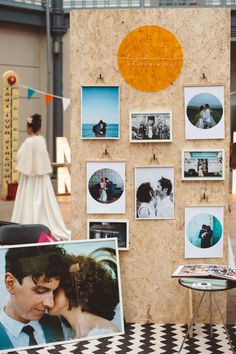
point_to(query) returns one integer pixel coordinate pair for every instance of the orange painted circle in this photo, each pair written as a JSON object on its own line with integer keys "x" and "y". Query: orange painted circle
{"x": 150, "y": 58}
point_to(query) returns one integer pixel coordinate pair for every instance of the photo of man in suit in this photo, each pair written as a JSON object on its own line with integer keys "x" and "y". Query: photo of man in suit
{"x": 32, "y": 276}
{"x": 164, "y": 205}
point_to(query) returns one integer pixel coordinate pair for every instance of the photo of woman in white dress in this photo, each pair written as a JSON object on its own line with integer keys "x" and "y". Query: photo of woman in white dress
{"x": 200, "y": 122}
{"x": 146, "y": 201}
{"x": 106, "y": 186}
{"x": 204, "y": 111}
{"x": 103, "y": 190}
{"x": 35, "y": 199}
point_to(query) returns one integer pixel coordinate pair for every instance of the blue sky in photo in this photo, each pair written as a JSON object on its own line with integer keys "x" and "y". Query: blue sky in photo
{"x": 203, "y": 98}
{"x": 100, "y": 102}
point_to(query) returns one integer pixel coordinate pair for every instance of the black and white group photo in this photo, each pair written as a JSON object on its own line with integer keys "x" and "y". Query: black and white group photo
{"x": 154, "y": 188}
{"x": 150, "y": 127}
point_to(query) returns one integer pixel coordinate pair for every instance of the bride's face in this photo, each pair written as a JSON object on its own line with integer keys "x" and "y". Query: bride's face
{"x": 61, "y": 303}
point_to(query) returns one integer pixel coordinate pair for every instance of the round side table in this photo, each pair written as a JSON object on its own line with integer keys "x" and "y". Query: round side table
{"x": 211, "y": 286}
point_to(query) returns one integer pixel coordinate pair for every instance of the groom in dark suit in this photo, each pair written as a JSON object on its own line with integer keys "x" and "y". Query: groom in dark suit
{"x": 110, "y": 188}
{"x": 32, "y": 276}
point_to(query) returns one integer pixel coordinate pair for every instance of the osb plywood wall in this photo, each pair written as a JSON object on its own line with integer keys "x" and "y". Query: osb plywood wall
{"x": 156, "y": 246}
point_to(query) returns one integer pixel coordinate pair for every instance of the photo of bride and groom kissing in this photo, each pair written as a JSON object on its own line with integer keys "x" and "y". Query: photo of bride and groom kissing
{"x": 154, "y": 195}
{"x": 51, "y": 294}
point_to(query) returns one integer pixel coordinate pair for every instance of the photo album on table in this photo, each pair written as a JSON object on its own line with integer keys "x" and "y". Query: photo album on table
{"x": 206, "y": 270}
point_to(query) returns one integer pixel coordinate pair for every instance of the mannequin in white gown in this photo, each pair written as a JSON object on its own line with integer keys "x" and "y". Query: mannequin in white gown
{"x": 35, "y": 199}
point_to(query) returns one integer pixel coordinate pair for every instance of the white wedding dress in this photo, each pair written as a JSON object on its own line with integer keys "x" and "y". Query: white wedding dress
{"x": 35, "y": 199}
{"x": 103, "y": 196}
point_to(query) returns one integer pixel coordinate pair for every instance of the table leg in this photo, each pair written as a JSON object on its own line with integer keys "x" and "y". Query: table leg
{"x": 190, "y": 311}
{"x": 191, "y": 323}
{"x": 226, "y": 330}
{"x": 211, "y": 330}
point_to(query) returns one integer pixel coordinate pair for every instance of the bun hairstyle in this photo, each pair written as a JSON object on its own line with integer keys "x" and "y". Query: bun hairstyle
{"x": 34, "y": 122}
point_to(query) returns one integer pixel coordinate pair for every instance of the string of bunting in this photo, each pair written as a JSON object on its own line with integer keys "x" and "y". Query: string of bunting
{"x": 48, "y": 96}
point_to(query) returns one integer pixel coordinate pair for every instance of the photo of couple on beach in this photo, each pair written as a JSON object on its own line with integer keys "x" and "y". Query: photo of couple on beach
{"x": 100, "y": 112}
{"x": 154, "y": 192}
{"x": 57, "y": 293}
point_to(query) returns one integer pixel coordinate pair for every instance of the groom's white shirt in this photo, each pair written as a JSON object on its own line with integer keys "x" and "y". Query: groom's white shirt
{"x": 15, "y": 334}
{"x": 164, "y": 208}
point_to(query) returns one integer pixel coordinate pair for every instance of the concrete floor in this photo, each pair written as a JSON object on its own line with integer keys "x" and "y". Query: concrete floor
{"x": 65, "y": 207}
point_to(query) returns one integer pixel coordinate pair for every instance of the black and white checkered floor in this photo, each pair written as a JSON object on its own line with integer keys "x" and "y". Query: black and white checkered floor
{"x": 151, "y": 338}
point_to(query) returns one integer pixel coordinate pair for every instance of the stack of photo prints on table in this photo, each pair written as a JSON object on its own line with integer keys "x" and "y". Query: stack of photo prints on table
{"x": 94, "y": 264}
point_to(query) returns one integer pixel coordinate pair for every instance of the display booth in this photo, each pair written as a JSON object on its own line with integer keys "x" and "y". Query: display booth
{"x": 166, "y": 78}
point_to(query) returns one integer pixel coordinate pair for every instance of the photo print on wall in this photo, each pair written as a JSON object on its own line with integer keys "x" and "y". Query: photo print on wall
{"x": 203, "y": 165}
{"x": 100, "y": 112}
{"x": 37, "y": 283}
{"x": 204, "y": 232}
{"x": 107, "y": 228}
{"x": 204, "y": 112}
{"x": 154, "y": 188}
{"x": 150, "y": 127}
{"x": 106, "y": 187}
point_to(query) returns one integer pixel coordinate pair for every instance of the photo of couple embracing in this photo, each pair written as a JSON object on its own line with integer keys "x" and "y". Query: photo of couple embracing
{"x": 56, "y": 293}
{"x": 154, "y": 192}
{"x": 204, "y": 110}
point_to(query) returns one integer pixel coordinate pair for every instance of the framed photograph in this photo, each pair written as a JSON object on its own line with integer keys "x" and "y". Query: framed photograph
{"x": 107, "y": 228}
{"x": 43, "y": 284}
{"x": 106, "y": 187}
{"x": 204, "y": 232}
{"x": 154, "y": 193}
{"x": 203, "y": 164}
{"x": 204, "y": 112}
{"x": 150, "y": 127}
{"x": 100, "y": 112}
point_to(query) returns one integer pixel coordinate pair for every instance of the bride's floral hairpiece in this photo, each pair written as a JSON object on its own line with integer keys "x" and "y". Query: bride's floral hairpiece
{"x": 74, "y": 268}
{"x": 29, "y": 120}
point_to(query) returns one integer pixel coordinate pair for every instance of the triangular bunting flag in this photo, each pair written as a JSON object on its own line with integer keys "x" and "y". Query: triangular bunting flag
{"x": 48, "y": 98}
{"x": 31, "y": 92}
{"x": 65, "y": 102}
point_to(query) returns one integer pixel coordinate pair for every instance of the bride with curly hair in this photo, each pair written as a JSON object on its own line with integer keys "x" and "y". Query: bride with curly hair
{"x": 87, "y": 298}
